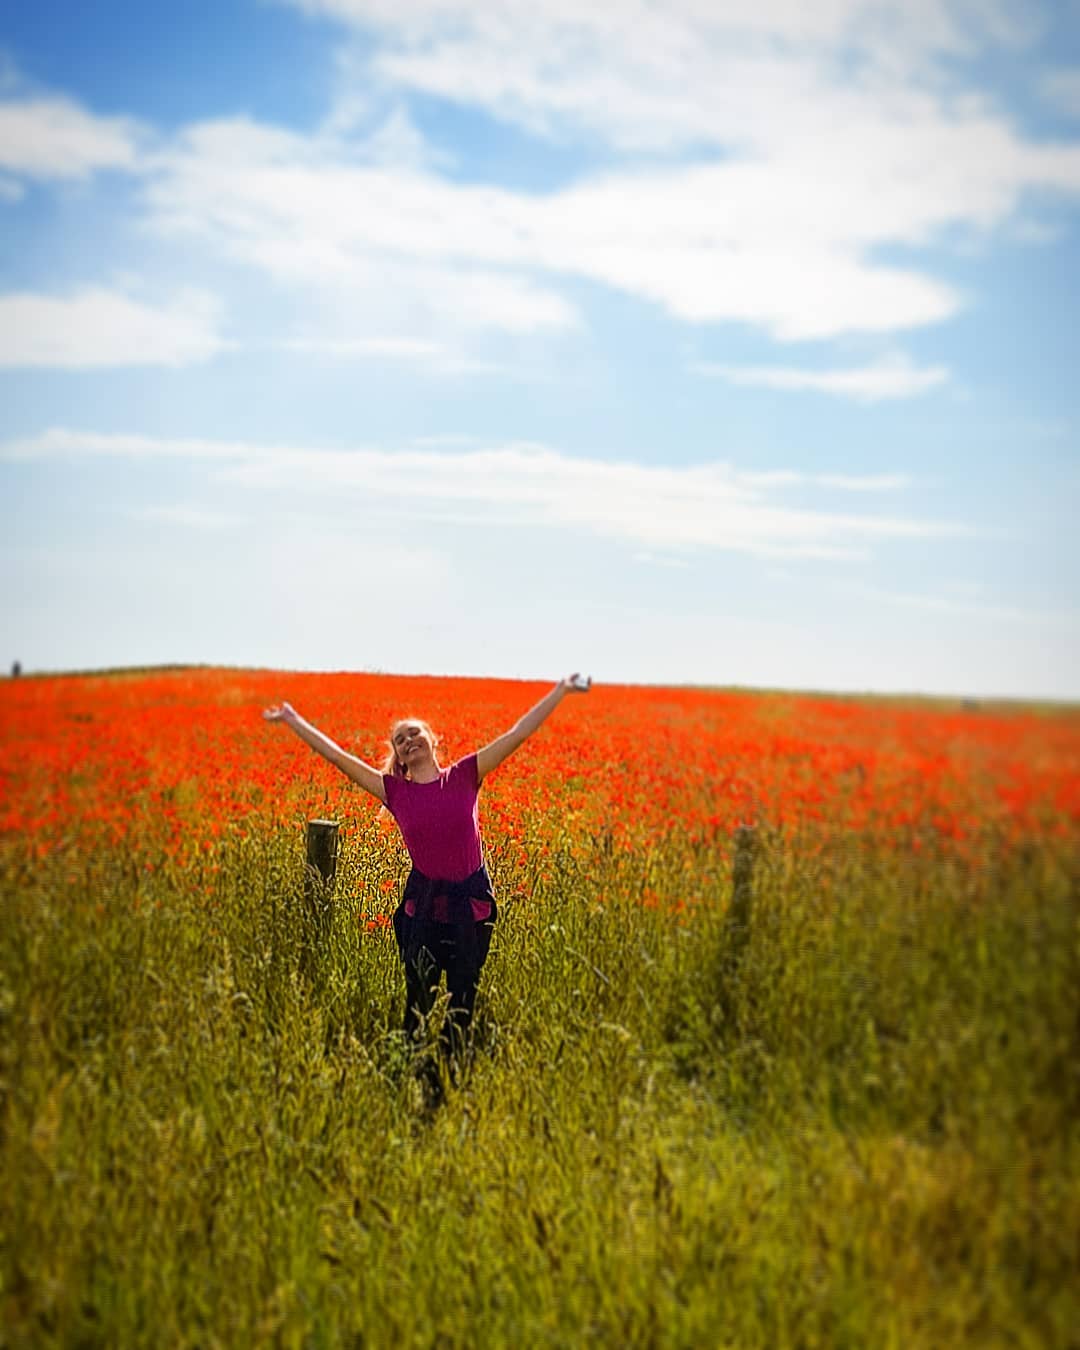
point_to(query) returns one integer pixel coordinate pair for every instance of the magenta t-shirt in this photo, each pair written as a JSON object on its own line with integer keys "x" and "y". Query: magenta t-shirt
{"x": 439, "y": 821}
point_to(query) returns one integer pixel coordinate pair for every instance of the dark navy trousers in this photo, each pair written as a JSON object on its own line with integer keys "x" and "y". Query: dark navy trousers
{"x": 430, "y": 947}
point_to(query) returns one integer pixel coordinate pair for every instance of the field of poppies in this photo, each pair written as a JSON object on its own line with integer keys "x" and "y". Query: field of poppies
{"x": 853, "y": 1123}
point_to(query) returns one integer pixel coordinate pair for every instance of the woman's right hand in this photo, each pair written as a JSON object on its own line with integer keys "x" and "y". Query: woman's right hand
{"x": 281, "y": 712}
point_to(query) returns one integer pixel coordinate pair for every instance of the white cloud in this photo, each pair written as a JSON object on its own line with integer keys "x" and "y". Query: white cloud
{"x": 771, "y": 156}
{"x": 721, "y": 242}
{"x": 676, "y": 510}
{"x": 960, "y": 601}
{"x": 95, "y": 327}
{"x": 435, "y": 357}
{"x": 841, "y": 482}
{"x": 789, "y": 147}
{"x": 526, "y": 58}
{"x": 658, "y": 560}
{"x": 395, "y": 348}
{"x": 395, "y": 141}
{"x": 847, "y": 482}
{"x": 190, "y": 517}
{"x": 674, "y": 77}
{"x": 379, "y": 253}
{"x": 52, "y": 137}
{"x": 893, "y": 377}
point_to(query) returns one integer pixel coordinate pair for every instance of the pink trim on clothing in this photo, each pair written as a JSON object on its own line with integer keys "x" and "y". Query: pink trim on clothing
{"x": 440, "y": 909}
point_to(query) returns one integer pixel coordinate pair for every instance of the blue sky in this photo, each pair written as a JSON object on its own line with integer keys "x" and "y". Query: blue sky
{"x": 684, "y": 343}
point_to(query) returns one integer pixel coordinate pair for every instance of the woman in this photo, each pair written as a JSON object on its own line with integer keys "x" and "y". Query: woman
{"x": 447, "y": 911}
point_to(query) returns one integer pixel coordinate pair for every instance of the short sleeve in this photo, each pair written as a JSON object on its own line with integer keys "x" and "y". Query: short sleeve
{"x": 470, "y": 771}
{"x": 390, "y": 787}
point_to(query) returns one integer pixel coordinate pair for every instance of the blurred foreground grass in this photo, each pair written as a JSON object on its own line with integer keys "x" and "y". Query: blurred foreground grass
{"x": 864, "y": 1133}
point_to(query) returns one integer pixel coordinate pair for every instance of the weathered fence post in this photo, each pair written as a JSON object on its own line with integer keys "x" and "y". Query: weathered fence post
{"x": 320, "y": 871}
{"x": 739, "y": 913}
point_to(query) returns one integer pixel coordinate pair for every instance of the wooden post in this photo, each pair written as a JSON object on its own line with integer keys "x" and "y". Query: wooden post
{"x": 742, "y": 889}
{"x": 322, "y": 842}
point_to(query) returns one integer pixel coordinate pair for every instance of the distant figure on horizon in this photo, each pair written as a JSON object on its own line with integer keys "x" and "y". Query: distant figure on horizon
{"x": 16, "y": 670}
{"x": 448, "y": 909}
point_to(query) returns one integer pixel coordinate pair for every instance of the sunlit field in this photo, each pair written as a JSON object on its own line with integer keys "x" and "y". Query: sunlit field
{"x": 852, "y": 1121}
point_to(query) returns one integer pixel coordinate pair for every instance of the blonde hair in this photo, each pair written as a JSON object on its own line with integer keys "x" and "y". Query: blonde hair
{"x": 392, "y": 765}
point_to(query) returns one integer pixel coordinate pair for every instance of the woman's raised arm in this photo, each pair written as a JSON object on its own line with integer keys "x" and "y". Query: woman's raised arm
{"x": 370, "y": 779}
{"x": 491, "y": 756}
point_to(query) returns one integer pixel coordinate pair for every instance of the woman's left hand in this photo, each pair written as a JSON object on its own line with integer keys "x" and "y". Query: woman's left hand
{"x": 281, "y": 712}
{"x": 577, "y": 684}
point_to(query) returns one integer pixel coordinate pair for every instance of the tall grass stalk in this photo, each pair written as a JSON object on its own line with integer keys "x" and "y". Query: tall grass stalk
{"x": 861, "y": 1129}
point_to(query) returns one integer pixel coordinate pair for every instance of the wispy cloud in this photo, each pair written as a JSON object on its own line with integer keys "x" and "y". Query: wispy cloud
{"x": 392, "y": 254}
{"x": 875, "y": 482}
{"x": 962, "y": 601}
{"x": 746, "y": 180}
{"x": 769, "y": 191}
{"x": 394, "y": 348}
{"x": 659, "y": 560}
{"x": 54, "y": 137}
{"x": 670, "y": 77}
{"x": 894, "y": 377}
{"x": 840, "y": 482}
{"x": 189, "y": 517}
{"x": 674, "y": 510}
{"x": 95, "y": 327}
{"x": 730, "y": 241}
{"x": 435, "y": 357}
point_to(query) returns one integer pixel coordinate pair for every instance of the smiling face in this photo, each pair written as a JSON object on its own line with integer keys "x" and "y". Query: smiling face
{"x": 414, "y": 743}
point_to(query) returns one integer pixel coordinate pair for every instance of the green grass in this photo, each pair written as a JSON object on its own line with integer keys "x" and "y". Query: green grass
{"x": 861, "y": 1129}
